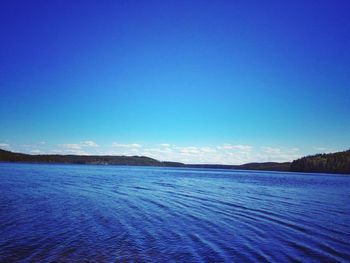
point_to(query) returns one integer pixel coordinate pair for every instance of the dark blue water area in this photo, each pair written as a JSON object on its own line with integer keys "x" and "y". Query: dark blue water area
{"x": 88, "y": 213}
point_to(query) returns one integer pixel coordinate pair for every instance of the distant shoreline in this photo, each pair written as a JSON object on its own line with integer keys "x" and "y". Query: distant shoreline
{"x": 335, "y": 163}
{"x": 186, "y": 166}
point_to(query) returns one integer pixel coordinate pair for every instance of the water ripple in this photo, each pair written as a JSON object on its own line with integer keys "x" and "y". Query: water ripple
{"x": 60, "y": 213}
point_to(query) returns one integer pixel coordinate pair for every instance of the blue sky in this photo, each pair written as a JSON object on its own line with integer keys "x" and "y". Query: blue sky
{"x": 193, "y": 81}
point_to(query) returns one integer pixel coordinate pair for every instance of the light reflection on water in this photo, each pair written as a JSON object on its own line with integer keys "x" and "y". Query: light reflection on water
{"x": 110, "y": 214}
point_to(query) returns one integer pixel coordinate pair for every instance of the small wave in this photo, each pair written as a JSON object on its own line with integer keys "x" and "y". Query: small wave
{"x": 152, "y": 215}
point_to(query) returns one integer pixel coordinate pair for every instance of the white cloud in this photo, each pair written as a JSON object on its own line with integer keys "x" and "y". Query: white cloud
{"x": 236, "y": 147}
{"x": 320, "y": 148}
{"x": 294, "y": 149}
{"x": 165, "y": 144}
{"x": 271, "y": 150}
{"x": 280, "y": 151}
{"x": 89, "y": 144}
{"x": 197, "y": 154}
{"x": 278, "y": 154}
{"x": 4, "y": 145}
{"x": 126, "y": 149}
{"x": 132, "y": 145}
{"x": 77, "y": 148}
{"x": 207, "y": 150}
{"x": 222, "y": 154}
{"x": 71, "y": 146}
{"x": 158, "y": 150}
{"x": 189, "y": 150}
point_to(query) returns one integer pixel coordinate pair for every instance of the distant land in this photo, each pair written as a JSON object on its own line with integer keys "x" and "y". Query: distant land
{"x": 338, "y": 162}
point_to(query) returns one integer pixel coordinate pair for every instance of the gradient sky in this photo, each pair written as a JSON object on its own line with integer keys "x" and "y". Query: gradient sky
{"x": 193, "y": 81}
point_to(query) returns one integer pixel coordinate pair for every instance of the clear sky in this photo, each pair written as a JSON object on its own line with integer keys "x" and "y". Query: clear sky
{"x": 192, "y": 81}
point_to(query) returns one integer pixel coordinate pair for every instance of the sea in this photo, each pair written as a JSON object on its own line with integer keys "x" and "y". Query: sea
{"x": 101, "y": 213}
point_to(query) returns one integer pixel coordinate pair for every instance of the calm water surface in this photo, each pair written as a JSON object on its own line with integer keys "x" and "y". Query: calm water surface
{"x": 65, "y": 213}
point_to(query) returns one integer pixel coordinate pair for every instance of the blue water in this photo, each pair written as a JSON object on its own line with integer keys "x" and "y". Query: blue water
{"x": 65, "y": 213}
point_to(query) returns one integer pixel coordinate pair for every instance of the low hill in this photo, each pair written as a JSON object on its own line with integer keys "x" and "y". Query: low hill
{"x": 338, "y": 162}
{"x": 271, "y": 166}
{"x": 7, "y": 156}
{"x": 267, "y": 166}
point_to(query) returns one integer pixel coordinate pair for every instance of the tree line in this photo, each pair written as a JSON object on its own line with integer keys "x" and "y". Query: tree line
{"x": 338, "y": 162}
